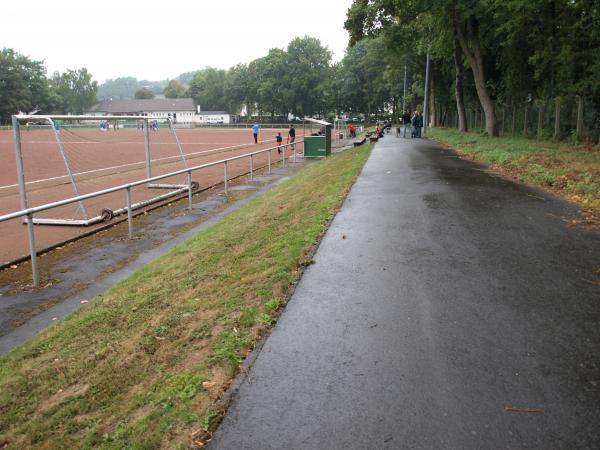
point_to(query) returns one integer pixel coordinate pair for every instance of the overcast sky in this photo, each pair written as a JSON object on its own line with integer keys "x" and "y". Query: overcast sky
{"x": 172, "y": 37}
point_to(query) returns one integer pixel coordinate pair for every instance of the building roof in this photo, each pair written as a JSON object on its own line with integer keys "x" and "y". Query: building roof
{"x": 212, "y": 113}
{"x": 145, "y": 105}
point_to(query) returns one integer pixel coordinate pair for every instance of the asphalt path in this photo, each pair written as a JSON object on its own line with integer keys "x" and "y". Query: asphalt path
{"x": 447, "y": 308}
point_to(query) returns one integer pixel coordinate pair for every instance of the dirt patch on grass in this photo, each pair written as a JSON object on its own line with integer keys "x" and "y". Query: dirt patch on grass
{"x": 63, "y": 394}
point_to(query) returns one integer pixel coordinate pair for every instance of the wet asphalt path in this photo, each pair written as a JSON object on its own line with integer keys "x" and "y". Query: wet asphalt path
{"x": 454, "y": 296}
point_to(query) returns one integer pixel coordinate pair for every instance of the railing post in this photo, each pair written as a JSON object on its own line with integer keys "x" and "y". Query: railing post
{"x": 269, "y": 161}
{"x": 189, "y": 180}
{"x": 19, "y": 159}
{"x": 32, "y": 251}
{"x": 129, "y": 213}
{"x": 225, "y": 173}
{"x": 283, "y": 156}
{"x": 251, "y": 167}
{"x": 147, "y": 148}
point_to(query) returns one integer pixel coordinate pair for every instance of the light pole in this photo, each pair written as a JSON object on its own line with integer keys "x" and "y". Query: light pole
{"x": 426, "y": 95}
{"x": 404, "y": 94}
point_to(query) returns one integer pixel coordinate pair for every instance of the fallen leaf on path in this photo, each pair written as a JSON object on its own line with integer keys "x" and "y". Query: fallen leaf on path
{"x": 209, "y": 384}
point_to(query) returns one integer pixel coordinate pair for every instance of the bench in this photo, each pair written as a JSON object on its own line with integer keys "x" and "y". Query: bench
{"x": 360, "y": 142}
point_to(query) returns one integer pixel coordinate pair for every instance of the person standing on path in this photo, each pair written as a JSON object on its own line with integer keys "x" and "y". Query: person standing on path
{"x": 255, "y": 129}
{"x": 406, "y": 123}
{"x": 419, "y": 124}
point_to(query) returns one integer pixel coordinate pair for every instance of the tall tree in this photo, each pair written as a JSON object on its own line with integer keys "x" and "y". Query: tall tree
{"x": 15, "y": 94}
{"x": 308, "y": 68}
{"x": 175, "y": 89}
{"x": 272, "y": 78}
{"x": 144, "y": 93}
{"x": 467, "y": 18}
{"x": 237, "y": 88}
{"x": 76, "y": 89}
{"x": 207, "y": 89}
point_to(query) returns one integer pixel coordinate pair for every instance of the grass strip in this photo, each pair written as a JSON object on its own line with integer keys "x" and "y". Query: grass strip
{"x": 573, "y": 171}
{"x": 143, "y": 365}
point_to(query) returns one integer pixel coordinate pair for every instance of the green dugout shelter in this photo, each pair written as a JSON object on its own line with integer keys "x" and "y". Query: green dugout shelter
{"x": 318, "y": 146}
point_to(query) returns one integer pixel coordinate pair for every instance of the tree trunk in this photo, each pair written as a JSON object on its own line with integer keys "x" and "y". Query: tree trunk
{"x": 525, "y": 120}
{"x": 433, "y": 113}
{"x": 556, "y": 136}
{"x": 470, "y": 46}
{"x": 514, "y": 120}
{"x": 540, "y": 124}
{"x": 503, "y": 121}
{"x": 579, "y": 129}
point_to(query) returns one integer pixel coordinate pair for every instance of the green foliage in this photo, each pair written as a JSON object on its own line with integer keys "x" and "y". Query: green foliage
{"x": 144, "y": 93}
{"x": 207, "y": 89}
{"x": 76, "y": 89}
{"x": 175, "y": 89}
{"x": 308, "y": 69}
{"x": 518, "y": 51}
{"x": 24, "y": 86}
{"x": 15, "y": 94}
{"x": 121, "y": 88}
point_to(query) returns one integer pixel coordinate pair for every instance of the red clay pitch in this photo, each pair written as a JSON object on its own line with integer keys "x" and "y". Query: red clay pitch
{"x": 102, "y": 159}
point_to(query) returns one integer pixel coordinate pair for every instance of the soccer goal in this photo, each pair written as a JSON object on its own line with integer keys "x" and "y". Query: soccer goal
{"x": 59, "y": 157}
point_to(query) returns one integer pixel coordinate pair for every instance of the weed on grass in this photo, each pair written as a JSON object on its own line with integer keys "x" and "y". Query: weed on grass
{"x": 127, "y": 369}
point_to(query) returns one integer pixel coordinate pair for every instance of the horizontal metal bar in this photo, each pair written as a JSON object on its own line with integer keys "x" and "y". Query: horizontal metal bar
{"x": 76, "y": 222}
{"x": 79, "y": 198}
{"x": 167, "y": 186}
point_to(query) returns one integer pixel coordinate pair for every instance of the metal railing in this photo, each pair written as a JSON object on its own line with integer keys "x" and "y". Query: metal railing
{"x": 28, "y": 213}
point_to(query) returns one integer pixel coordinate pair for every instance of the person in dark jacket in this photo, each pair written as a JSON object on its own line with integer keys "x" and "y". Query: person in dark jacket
{"x": 419, "y": 124}
{"x": 406, "y": 123}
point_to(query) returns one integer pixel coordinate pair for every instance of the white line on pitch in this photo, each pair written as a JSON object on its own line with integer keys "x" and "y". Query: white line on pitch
{"x": 133, "y": 164}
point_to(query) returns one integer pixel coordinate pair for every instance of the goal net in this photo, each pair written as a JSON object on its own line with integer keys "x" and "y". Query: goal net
{"x": 68, "y": 156}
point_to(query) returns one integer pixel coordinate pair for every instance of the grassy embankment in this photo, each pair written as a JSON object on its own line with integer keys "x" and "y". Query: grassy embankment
{"x": 143, "y": 365}
{"x": 573, "y": 171}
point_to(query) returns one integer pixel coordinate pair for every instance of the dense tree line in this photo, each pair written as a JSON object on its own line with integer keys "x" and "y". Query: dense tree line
{"x": 299, "y": 80}
{"x": 511, "y": 66}
{"x": 505, "y": 67}
{"x": 25, "y": 87}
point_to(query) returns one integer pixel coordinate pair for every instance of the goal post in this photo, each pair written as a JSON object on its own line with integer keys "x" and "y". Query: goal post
{"x": 72, "y": 155}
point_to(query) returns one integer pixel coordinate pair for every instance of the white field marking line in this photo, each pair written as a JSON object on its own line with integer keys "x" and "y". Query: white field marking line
{"x": 232, "y": 147}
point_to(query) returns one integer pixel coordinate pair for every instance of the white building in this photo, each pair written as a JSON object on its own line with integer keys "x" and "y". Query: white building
{"x": 181, "y": 110}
